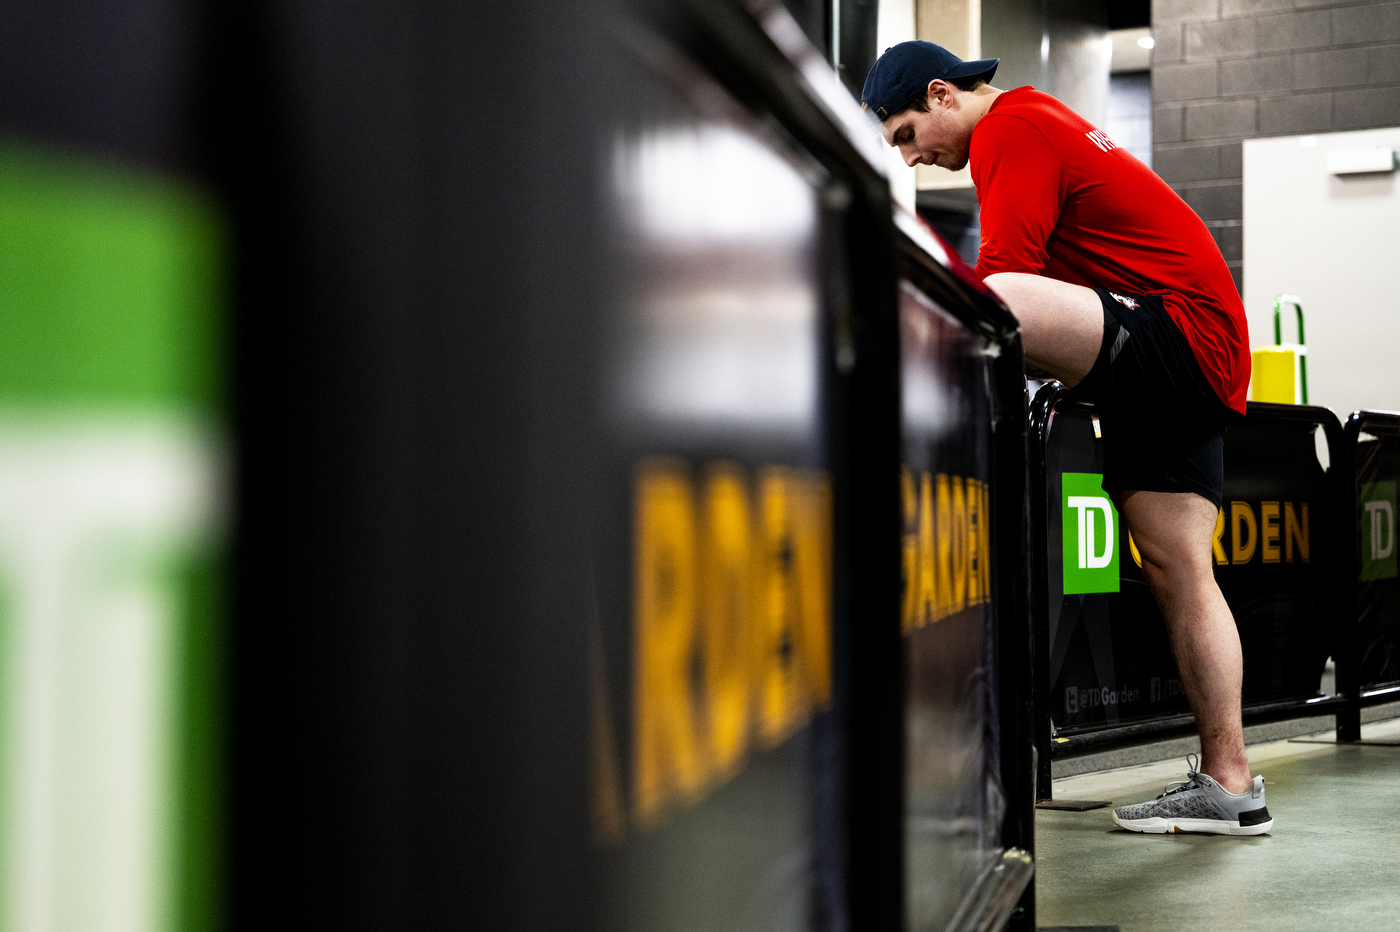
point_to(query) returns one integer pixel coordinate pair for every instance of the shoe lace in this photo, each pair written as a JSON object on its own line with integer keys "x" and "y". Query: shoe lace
{"x": 1193, "y": 763}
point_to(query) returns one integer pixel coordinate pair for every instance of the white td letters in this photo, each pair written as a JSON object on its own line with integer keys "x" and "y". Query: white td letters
{"x": 1084, "y": 507}
{"x": 1381, "y": 529}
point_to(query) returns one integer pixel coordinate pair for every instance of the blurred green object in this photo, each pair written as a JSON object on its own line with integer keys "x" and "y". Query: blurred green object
{"x": 109, "y": 286}
{"x": 111, "y": 566}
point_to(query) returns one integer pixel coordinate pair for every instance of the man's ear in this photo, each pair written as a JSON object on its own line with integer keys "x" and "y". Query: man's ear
{"x": 939, "y": 92}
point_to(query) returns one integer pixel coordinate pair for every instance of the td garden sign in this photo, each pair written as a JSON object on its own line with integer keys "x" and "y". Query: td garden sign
{"x": 1107, "y": 654}
{"x": 1245, "y": 532}
{"x": 1377, "y": 501}
{"x": 1090, "y": 535}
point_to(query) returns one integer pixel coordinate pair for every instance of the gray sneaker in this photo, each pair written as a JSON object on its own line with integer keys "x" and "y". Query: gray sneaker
{"x": 1199, "y": 804}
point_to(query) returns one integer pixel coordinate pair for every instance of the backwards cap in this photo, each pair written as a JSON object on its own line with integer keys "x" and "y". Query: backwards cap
{"x": 904, "y": 71}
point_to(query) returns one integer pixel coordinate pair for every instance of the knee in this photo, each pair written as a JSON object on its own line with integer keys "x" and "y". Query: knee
{"x": 1176, "y": 572}
{"x": 1156, "y": 574}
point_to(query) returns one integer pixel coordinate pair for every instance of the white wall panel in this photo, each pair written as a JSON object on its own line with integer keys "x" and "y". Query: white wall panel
{"x": 1334, "y": 241}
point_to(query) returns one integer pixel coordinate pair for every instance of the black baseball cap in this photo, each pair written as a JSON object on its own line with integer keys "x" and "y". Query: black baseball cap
{"x": 903, "y": 73}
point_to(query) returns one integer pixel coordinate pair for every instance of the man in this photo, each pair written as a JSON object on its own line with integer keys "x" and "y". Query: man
{"x": 1121, "y": 292}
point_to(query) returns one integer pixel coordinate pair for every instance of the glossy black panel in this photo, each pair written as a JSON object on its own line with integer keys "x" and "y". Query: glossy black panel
{"x": 955, "y": 801}
{"x": 711, "y": 553}
{"x": 1375, "y": 437}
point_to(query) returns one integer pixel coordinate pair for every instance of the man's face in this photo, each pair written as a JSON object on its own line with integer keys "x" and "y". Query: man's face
{"x": 938, "y": 137}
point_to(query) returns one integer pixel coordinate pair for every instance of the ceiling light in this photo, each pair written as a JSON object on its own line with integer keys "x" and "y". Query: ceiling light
{"x": 1146, "y": 42}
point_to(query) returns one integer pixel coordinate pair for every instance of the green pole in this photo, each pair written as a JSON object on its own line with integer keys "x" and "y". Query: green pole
{"x": 1297, "y": 303}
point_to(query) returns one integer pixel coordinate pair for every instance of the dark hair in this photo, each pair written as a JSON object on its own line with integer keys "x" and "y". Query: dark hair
{"x": 920, "y": 101}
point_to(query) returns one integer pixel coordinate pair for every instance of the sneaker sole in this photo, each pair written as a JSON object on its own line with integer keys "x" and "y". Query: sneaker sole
{"x": 1197, "y": 826}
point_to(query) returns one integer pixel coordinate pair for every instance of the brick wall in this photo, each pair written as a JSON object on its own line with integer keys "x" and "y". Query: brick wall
{"x": 1228, "y": 70}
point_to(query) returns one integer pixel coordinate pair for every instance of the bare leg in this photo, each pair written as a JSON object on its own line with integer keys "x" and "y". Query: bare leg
{"x": 1173, "y": 532}
{"x": 1062, "y": 330}
{"x": 1061, "y": 324}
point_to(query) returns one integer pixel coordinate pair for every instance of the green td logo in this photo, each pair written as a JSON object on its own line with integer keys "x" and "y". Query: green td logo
{"x": 1090, "y": 555}
{"x": 1377, "y": 530}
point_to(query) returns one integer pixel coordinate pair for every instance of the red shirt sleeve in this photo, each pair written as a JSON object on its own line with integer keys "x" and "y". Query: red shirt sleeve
{"x": 1021, "y": 187}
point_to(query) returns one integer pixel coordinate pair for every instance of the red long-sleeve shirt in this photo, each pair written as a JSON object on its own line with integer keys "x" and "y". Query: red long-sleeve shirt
{"x": 1060, "y": 199}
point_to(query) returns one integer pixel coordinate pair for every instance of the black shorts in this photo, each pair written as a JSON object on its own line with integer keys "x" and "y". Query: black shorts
{"x": 1163, "y": 425}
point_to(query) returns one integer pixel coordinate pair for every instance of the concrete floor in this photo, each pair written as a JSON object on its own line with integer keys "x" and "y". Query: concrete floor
{"x": 1332, "y": 861}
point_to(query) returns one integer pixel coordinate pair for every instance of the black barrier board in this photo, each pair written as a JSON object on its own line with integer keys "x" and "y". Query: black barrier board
{"x": 713, "y": 674}
{"x": 1373, "y": 438}
{"x": 743, "y": 743}
{"x": 1098, "y": 672}
{"x": 744, "y": 511}
{"x": 954, "y": 801}
{"x": 1286, "y": 595}
{"x": 578, "y": 605}
{"x": 1107, "y": 660}
{"x": 968, "y": 789}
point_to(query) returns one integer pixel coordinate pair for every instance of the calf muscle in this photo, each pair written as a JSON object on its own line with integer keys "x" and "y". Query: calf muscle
{"x": 1173, "y": 532}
